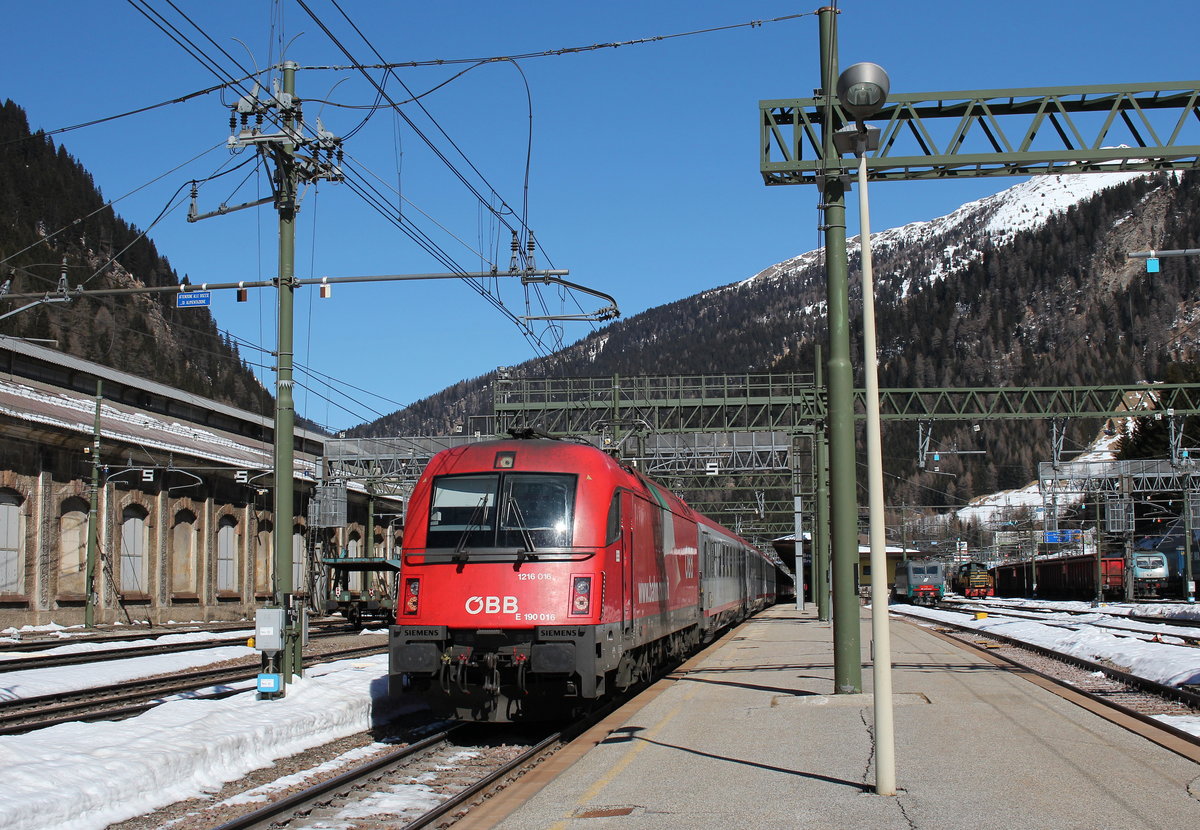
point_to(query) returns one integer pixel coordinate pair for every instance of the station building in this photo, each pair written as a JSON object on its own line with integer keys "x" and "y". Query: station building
{"x": 185, "y": 529}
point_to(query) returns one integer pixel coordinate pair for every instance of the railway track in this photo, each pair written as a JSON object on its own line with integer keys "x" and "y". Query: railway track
{"x": 42, "y": 641}
{"x": 146, "y": 650}
{"x": 1039, "y": 615}
{"x": 133, "y": 697}
{"x": 1132, "y": 701}
{"x": 411, "y": 787}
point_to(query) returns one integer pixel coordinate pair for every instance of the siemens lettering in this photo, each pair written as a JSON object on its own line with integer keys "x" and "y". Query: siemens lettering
{"x": 491, "y": 605}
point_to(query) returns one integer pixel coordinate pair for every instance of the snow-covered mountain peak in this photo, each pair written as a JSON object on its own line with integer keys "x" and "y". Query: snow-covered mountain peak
{"x": 1022, "y": 207}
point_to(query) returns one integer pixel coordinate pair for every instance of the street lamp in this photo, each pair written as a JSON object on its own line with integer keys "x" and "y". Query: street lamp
{"x": 862, "y": 90}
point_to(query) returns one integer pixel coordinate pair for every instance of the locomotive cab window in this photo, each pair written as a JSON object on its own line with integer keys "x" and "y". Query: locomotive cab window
{"x": 535, "y": 510}
{"x": 463, "y": 511}
{"x": 613, "y": 531}
{"x": 538, "y": 511}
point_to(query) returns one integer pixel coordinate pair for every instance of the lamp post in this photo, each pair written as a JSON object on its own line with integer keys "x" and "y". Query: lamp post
{"x": 862, "y": 90}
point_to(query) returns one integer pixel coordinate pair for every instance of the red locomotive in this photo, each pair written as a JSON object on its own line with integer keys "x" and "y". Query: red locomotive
{"x": 539, "y": 574}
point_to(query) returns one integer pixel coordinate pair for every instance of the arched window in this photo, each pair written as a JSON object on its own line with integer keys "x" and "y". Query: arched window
{"x": 134, "y": 544}
{"x": 12, "y": 572}
{"x": 72, "y": 546}
{"x": 183, "y": 553}
{"x": 354, "y": 549}
{"x": 227, "y": 554}
{"x": 299, "y": 559}
{"x": 264, "y": 549}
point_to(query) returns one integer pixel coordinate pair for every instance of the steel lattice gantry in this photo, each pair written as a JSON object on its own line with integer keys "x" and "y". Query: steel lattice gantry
{"x": 993, "y": 132}
{"x": 645, "y": 417}
{"x": 746, "y": 403}
{"x": 1138, "y": 476}
{"x": 385, "y": 466}
{"x": 1035, "y": 402}
{"x": 740, "y": 447}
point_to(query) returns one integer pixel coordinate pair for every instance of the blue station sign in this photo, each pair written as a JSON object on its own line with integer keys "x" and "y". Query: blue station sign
{"x": 193, "y": 299}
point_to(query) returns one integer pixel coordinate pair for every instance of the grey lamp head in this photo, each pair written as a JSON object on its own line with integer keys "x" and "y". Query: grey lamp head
{"x": 863, "y": 89}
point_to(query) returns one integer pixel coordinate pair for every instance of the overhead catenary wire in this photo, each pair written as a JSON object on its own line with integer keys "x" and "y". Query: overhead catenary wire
{"x": 196, "y": 49}
{"x": 575, "y": 50}
{"x": 476, "y": 62}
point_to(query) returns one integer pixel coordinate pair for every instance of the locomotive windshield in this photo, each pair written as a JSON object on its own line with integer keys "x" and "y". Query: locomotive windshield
{"x": 523, "y": 511}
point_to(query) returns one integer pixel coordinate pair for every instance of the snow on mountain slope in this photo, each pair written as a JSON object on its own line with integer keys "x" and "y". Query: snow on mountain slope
{"x": 1022, "y": 207}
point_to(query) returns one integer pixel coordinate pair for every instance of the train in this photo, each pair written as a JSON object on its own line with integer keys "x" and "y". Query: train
{"x": 1074, "y": 577}
{"x": 972, "y": 580}
{"x": 539, "y": 575}
{"x": 919, "y": 581}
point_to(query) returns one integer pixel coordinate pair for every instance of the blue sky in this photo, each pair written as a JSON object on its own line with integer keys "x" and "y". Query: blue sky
{"x": 644, "y": 175}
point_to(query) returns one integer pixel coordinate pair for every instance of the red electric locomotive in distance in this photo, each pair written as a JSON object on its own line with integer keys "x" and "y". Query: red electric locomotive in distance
{"x": 539, "y": 574}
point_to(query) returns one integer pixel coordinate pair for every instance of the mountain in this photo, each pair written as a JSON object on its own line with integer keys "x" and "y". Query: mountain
{"x": 1030, "y": 286}
{"x": 54, "y": 220}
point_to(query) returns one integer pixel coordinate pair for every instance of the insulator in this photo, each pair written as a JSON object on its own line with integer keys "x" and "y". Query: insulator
{"x": 531, "y": 245}
{"x": 516, "y": 243}
{"x": 232, "y": 121}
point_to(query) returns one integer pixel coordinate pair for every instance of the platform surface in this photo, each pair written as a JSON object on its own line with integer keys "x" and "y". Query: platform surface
{"x": 753, "y": 737}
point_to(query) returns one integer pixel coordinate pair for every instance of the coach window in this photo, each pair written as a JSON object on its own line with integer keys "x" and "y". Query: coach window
{"x": 11, "y": 576}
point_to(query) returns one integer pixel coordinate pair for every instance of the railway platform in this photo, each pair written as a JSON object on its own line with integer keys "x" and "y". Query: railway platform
{"x": 750, "y": 735}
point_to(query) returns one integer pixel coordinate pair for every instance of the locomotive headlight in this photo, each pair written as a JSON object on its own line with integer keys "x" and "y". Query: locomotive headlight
{"x": 581, "y": 595}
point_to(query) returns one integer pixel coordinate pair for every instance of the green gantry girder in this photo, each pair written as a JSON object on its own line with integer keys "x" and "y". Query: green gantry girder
{"x": 994, "y": 132}
{"x": 1035, "y": 402}
{"x": 755, "y": 402}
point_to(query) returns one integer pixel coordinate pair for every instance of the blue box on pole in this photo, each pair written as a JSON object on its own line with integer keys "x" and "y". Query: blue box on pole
{"x": 269, "y": 684}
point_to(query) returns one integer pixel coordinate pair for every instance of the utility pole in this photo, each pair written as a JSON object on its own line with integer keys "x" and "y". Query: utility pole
{"x": 281, "y": 111}
{"x": 285, "y": 410}
{"x": 93, "y": 526}
{"x": 847, "y": 637}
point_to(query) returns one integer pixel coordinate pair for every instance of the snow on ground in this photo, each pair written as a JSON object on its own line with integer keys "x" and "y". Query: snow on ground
{"x": 1165, "y": 663}
{"x": 990, "y": 508}
{"x": 84, "y": 776}
{"x": 36, "y": 681}
{"x": 117, "y": 645}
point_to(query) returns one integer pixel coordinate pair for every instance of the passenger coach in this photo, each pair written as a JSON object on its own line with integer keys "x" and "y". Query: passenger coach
{"x": 539, "y": 574}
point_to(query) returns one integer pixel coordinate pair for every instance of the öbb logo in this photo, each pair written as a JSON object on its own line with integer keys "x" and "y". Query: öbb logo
{"x": 491, "y": 605}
